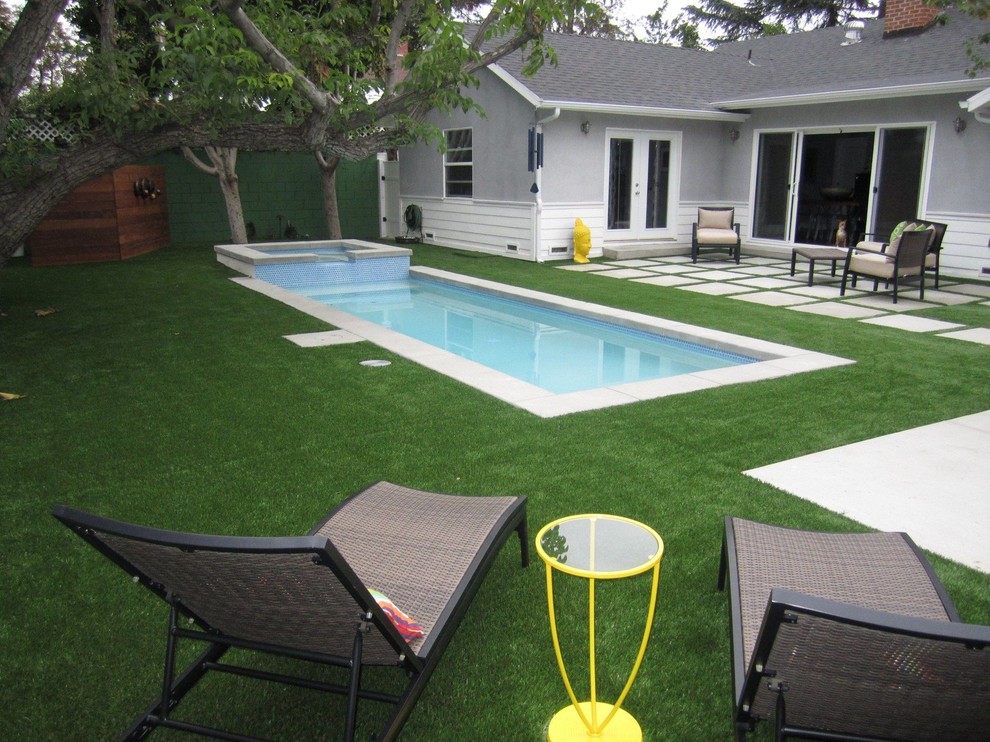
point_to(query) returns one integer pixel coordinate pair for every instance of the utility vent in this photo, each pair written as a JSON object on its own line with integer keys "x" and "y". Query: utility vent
{"x": 512, "y": 248}
{"x": 559, "y": 250}
{"x": 429, "y": 235}
{"x": 854, "y": 33}
{"x": 985, "y": 271}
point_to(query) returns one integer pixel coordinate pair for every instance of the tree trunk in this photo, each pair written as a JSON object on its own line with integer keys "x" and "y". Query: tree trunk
{"x": 224, "y": 169}
{"x": 328, "y": 176}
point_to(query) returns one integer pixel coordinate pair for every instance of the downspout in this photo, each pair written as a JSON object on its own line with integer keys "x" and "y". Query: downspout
{"x": 538, "y": 227}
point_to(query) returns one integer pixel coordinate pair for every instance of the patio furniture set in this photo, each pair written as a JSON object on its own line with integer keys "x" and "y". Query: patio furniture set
{"x": 833, "y": 635}
{"x": 912, "y": 250}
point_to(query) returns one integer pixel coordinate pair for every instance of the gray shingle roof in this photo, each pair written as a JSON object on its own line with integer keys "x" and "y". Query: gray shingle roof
{"x": 623, "y": 73}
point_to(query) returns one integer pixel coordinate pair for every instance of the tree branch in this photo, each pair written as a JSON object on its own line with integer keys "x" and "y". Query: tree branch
{"x": 319, "y": 99}
{"x": 191, "y": 157}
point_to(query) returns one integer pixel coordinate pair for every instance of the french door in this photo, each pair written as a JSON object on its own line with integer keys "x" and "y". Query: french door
{"x": 809, "y": 182}
{"x": 641, "y": 184}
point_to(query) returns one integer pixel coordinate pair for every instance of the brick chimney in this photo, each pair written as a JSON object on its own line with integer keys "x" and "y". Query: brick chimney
{"x": 905, "y": 16}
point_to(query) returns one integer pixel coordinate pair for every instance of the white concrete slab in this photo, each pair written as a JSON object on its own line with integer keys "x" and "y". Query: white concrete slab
{"x": 762, "y": 270}
{"x": 585, "y": 267}
{"x": 822, "y": 291}
{"x": 633, "y": 263}
{"x": 717, "y": 275}
{"x": 674, "y": 280}
{"x": 774, "y": 298}
{"x": 769, "y": 283}
{"x": 973, "y": 289}
{"x": 837, "y": 309}
{"x": 886, "y": 303}
{"x": 624, "y": 273}
{"x": 930, "y": 482}
{"x": 912, "y": 324}
{"x": 979, "y": 335}
{"x": 716, "y": 288}
{"x": 319, "y": 339}
{"x": 673, "y": 268}
{"x": 938, "y": 297}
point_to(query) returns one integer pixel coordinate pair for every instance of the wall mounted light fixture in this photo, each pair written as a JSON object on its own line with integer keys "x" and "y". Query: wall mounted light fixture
{"x": 734, "y": 134}
{"x": 959, "y": 124}
{"x": 585, "y": 127}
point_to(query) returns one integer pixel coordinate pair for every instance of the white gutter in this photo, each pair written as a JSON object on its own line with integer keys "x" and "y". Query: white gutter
{"x": 538, "y": 227}
{"x": 860, "y": 94}
{"x": 975, "y": 103}
{"x": 653, "y": 111}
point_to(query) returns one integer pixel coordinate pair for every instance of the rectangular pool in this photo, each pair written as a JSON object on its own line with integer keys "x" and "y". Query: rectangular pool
{"x": 552, "y": 349}
{"x": 612, "y": 378}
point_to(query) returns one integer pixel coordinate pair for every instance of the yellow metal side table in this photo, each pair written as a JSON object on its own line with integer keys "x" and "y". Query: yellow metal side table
{"x": 598, "y": 547}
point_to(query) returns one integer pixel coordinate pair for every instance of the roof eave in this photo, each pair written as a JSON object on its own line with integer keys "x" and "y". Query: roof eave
{"x": 854, "y": 95}
{"x": 697, "y": 114}
{"x": 612, "y": 108}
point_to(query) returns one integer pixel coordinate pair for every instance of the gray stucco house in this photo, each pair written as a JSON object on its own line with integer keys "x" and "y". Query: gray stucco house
{"x": 872, "y": 123}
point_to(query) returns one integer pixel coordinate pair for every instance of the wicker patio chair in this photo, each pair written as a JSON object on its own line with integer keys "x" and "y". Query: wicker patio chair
{"x": 308, "y": 597}
{"x": 848, "y": 636}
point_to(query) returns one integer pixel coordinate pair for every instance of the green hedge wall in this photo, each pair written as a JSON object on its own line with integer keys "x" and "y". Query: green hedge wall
{"x": 277, "y": 189}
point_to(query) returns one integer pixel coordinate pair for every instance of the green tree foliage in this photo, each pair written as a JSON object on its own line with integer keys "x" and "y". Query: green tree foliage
{"x": 678, "y": 31}
{"x": 756, "y": 18}
{"x": 340, "y": 77}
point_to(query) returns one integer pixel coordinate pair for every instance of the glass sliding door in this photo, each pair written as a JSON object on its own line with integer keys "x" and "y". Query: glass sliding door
{"x": 641, "y": 184}
{"x": 898, "y": 185}
{"x": 807, "y": 182}
{"x": 834, "y": 186}
{"x": 773, "y": 186}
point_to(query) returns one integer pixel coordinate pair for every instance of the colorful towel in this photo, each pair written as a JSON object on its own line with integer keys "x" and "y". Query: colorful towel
{"x": 406, "y": 626}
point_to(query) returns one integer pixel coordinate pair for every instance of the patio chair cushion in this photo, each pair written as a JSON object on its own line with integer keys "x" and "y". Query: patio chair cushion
{"x": 717, "y": 236}
{"x": 714, "y": 219}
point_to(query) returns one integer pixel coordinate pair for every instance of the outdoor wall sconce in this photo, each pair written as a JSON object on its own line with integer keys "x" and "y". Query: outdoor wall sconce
{"x": 734, "y": 134}
{"x": 585, "y": 127}
{"x": 959, "y": 124}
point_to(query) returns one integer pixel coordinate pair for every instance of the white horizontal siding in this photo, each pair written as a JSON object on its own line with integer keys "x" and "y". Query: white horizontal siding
{"x": 557, "y": 228}
{"x": 485, "y": 226}
{"x": 966, "y": 246}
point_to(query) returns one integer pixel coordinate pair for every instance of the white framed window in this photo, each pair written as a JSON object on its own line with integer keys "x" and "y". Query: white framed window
{"x": 458, "y": 164}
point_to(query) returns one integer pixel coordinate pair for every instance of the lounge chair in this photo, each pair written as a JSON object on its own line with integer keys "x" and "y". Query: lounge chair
{"x": 309, "y": 598}
{"x": 903, "y": 258}
{"x": 715, "y": 230}
{"x": 848, "y": 636}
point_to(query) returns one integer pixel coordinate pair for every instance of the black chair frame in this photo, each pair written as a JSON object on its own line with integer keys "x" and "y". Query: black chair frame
{"x": 369, "y": 620}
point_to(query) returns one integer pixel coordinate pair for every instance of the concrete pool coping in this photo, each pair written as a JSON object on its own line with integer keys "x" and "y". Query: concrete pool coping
{"x": 245, "y": 258}
{"x": 776, "y": 360}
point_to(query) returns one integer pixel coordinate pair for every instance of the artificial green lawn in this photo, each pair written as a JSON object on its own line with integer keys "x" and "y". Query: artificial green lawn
{"x": 163, "y": 393}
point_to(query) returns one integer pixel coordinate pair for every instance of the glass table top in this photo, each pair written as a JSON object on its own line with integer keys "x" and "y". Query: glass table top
{"x": 600, "y": 546}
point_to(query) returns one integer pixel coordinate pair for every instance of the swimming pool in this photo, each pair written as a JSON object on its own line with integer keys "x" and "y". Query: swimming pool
{"x": 772, "y": 360}
{"x": 554, "y": 350}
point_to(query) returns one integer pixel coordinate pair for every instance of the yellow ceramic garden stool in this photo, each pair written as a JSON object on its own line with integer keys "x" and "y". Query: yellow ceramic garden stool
{"x": 598, "y": 547}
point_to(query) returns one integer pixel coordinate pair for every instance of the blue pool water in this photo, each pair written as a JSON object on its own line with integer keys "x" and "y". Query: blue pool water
{"x": 552, "y": 349}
